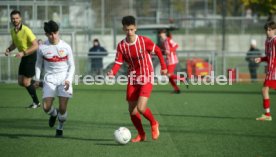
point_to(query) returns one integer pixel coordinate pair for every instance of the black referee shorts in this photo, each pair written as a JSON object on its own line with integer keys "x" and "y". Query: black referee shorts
{"x": 27, "y": 65}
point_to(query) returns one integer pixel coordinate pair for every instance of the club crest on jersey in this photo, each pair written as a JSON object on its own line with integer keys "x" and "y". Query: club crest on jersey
{"x": 61, "y": 53}
{"x": 141, "y": 51}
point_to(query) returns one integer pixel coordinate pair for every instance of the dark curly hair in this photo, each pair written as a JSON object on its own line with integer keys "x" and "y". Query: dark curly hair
{"x": 270, "y": 24}
{"x": 50, "y": 27}
{"x": 128, "y": 20}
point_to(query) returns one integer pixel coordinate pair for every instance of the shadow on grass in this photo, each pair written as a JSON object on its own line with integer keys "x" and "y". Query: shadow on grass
{"x": 13, "y": 107}
{"x": 109, "y": 144}
{"x": 218, "y": 133}
{"x": 205, "y": 116}
{"x": 214, "y": 92}
{"x": 42, "y": 124}
{"x": 18, "y": 136}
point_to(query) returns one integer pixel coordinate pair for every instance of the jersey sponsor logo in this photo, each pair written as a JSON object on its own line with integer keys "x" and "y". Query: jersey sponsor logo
{"x": 56, "y": 59}
{"x": 61, "y": 53}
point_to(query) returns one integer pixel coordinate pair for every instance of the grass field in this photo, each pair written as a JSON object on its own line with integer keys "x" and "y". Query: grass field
{"x": 204, "y": 121}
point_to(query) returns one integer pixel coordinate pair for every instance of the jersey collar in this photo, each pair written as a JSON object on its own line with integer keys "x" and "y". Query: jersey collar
{"x": 21, "y": 25}
{"x": 133, "y": 43}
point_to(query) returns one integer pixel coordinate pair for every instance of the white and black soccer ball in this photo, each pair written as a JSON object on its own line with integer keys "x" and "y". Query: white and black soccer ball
{"x": 122, "y": 135}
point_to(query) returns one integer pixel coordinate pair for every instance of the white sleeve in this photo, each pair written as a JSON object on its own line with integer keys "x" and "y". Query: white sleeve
{"x": 38, "y": 65}
{"x": 71, "y": 64}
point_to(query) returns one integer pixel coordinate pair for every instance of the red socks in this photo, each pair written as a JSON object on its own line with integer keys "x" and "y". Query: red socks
{"x": 266, "y": 105}
{"x": 137, "y": 122}
{"x": 171, "y": 79}
{"x": 148, "y": 115}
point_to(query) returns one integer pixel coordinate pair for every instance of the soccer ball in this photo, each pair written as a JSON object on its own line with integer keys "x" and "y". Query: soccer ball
{"x": 122, "y": 135}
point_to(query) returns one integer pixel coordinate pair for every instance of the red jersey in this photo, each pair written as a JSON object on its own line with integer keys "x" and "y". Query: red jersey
{"x": 170, "y": 50}
{"x": 270, "y": 58}
{"x": 138, "y": 56}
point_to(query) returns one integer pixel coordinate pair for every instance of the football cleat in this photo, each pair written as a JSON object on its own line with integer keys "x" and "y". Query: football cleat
{"x": 264, "y": 118}
{"x": 52, "y": 121}
{"x": 155, "y": 131}
{"x": 139, "y": 138}
{"x": 59, "y": 133}
{"x": 34, "y": 106}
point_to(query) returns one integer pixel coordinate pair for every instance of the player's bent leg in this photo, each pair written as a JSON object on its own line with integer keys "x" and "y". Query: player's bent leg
{"x": 61, "y": 119}
{"x": 266, "y": 105}
{"x": 265, "y": 92}
{"x": 137, "y": 122}
{"x": 50, "y": 110}
{"x": 63, "y": 101}
{"x": 26, "y": 82}
{"x": 62, "y": 115}
{"x": 142, "y": 108}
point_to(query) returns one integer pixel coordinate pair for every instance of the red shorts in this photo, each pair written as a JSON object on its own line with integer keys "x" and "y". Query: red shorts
{"x": 135, "y": 91}
{"x": 270, "y": 83}
{"x": 171, "y": 68}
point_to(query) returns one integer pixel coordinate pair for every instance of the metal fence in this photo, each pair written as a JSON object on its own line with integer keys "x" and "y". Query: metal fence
{"x": 218, "y": 63}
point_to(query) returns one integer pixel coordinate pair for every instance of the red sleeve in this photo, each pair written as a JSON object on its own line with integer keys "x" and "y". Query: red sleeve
{"x": 264, "y": 59}
{"x": 118, "y": 61}
{"x": 158, "y": 53}
{"x": 151, "y": 47}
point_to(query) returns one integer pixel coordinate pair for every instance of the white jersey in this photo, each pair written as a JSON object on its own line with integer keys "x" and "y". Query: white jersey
{"x": 58, "y": 62}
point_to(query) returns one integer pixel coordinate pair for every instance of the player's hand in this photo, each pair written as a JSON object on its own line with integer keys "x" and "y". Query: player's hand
{"x": 110, "y": 74}
{"x": 19, "y": 55}
{"x": 257, "y": 60}
{"x": 164, "y": 72}
{"x": 7, "y": 52}
{"x": 36, "y": 84}
{"x": 66, "y": 85}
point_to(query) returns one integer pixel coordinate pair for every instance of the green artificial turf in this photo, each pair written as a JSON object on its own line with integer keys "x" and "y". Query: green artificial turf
{"x": 202, "y": 121}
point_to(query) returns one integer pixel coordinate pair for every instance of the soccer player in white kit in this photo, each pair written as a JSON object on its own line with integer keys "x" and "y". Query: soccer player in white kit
{"x": 56, "y": 58}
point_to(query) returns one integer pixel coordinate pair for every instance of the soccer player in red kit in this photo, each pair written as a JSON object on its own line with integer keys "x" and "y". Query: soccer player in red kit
{"x": 136, "y": 51}
{"x": 169, "y": 47}
{"x": 270, "y": 58}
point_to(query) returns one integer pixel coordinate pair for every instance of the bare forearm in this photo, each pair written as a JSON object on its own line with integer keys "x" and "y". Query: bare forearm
{"x": 32, "y": 49}
{"x": 11, "y": 47}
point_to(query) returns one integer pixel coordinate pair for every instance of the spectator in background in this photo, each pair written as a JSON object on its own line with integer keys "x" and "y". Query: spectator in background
{"x": 253, "y": 53}
{"x": 96, "y": 54}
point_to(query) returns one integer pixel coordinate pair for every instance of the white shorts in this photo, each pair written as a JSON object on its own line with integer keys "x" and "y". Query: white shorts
{"x": 54, "y": 86}
{"x": 52, "y": 90}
